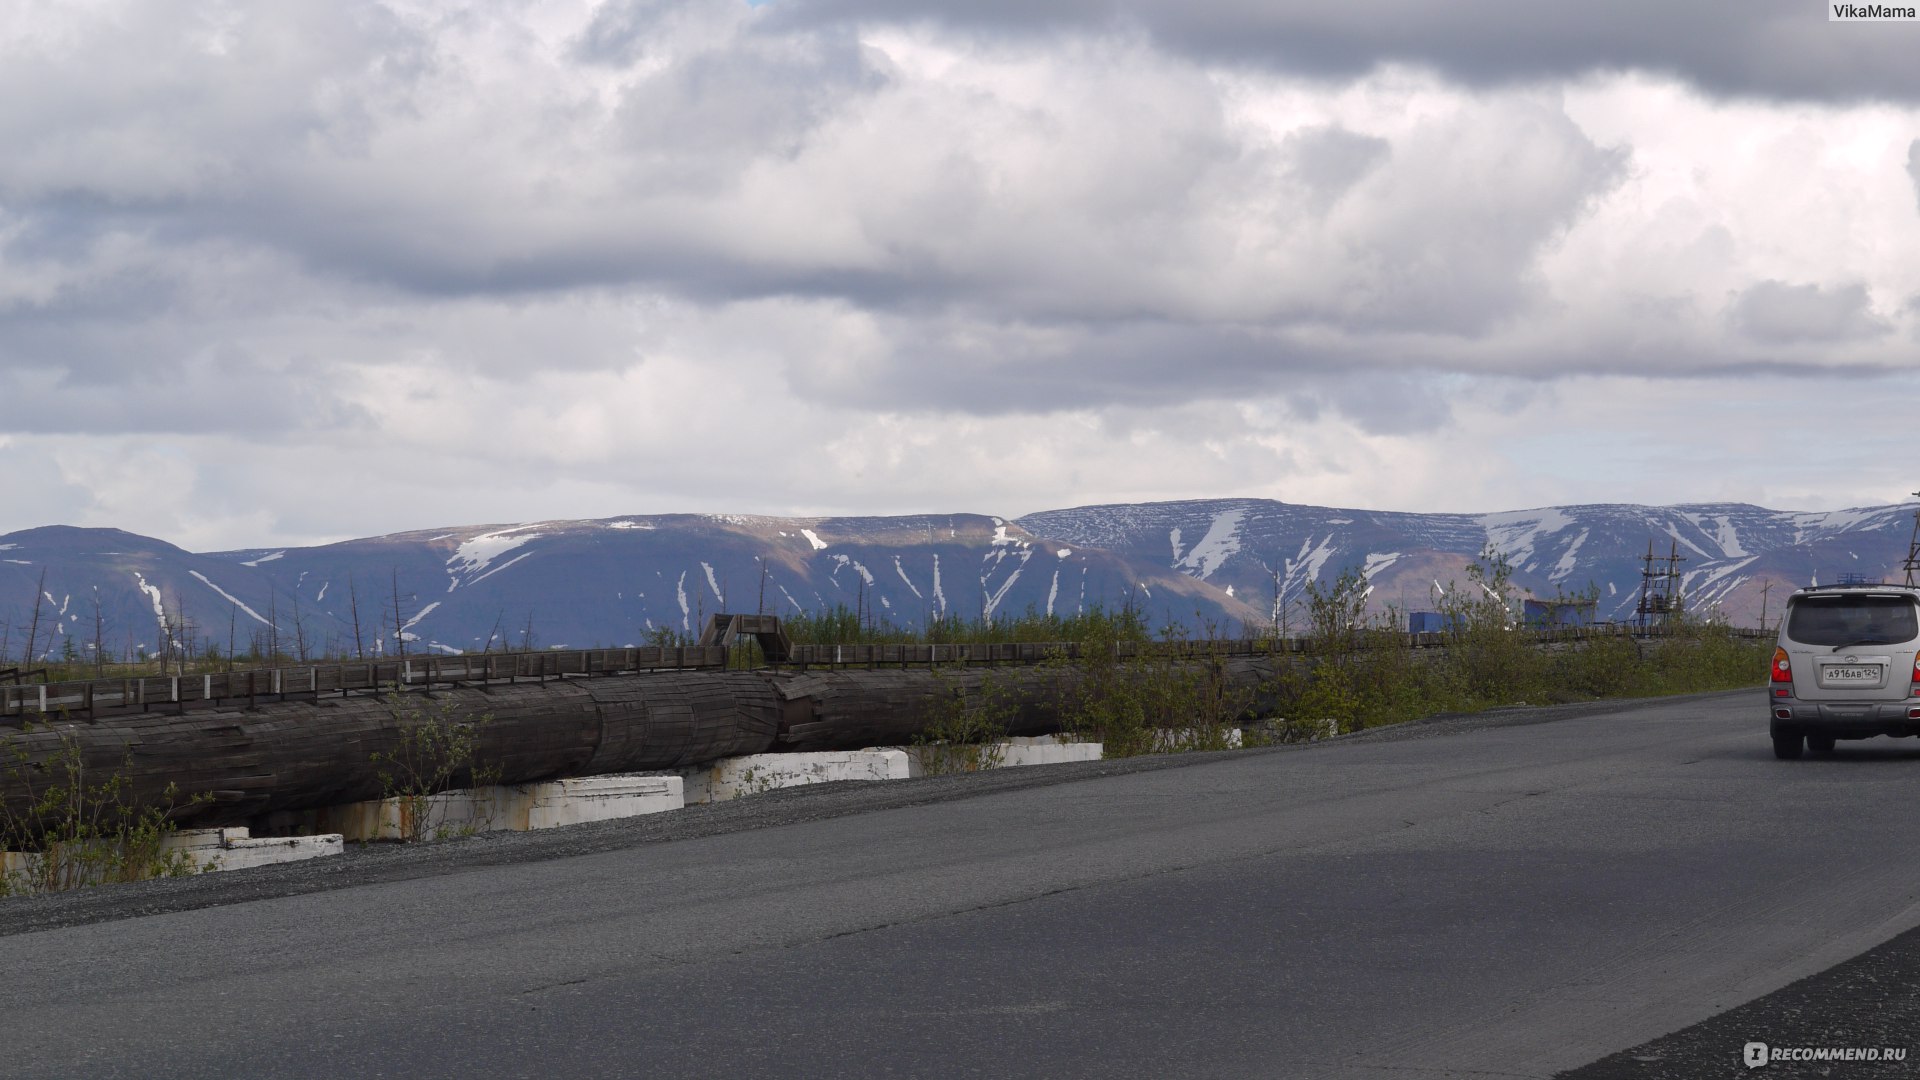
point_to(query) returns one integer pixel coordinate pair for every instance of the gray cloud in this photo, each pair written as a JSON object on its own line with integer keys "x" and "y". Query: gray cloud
{"x": 1913, "y": 166}
{"x": 1328, "y": 161}
{"x": 1774, "y": 311}
{"x": 1761, "y": 48}
{"x": 240, "y": 239}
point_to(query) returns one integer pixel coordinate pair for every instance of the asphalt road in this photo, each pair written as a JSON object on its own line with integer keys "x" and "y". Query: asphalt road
{"x": 1512, "y": 895}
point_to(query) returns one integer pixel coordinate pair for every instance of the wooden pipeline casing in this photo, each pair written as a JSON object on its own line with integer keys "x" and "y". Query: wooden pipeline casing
{"x": 231, "y": 765}
{"x": 290, "y": 755}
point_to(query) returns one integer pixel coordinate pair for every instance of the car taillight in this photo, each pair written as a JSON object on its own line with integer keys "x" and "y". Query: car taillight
{"x": 1782, "y": 672}
{"x": 1916, "y": 675}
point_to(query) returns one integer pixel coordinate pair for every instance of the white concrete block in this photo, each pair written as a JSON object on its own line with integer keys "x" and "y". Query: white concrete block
{"x": 1020, "y": 750}
{"x": 237, "y": 849}
{"x": 509, "y": 807}
{"x": 602, "y": 798}
{"x": 205, "y": 851}
{"x": 1048, "y": 750}
{"x": 730, "y": 778}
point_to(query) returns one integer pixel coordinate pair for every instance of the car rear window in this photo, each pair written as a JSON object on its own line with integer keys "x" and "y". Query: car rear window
{"x": 1852, "y": 620}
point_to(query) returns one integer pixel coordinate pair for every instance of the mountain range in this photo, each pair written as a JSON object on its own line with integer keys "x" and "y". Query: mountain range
{"x": 1229, "y": 564}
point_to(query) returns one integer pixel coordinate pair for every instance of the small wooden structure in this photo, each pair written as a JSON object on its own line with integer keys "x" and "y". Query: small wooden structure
{"x": 723, "y": 629}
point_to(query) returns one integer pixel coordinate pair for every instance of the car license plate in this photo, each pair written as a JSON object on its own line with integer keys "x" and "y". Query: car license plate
{"x": 1851, "y": 673}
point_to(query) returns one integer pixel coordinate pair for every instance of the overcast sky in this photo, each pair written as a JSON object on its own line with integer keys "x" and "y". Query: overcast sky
{"x": 289, "y": 273}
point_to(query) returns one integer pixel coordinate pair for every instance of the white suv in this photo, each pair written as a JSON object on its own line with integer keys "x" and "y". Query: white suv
{"x": 1847, "y": 666}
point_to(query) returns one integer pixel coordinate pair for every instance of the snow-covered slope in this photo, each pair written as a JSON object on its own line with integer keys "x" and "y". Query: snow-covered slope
{"x": 1268, "y": 551}
{"x": 616, "y": 581}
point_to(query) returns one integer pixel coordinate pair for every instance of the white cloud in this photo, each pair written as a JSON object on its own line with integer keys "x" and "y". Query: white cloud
{"x": 577, "y": 259}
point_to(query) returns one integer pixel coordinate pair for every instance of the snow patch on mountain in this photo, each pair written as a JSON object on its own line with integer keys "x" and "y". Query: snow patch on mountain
{"x": 1694, "y": 580}
{"x": 1688, "y": 544}
{"x": 494, "y": 570}
{"x": 473, "y": 556}
{"x": 939, "y": 597}
{"x": 1376, "y": 563}
{"x": 625, "y": 524}
{"x": 995, "y": 596}
{"x": 1728, "y": 539}
{"x": 902, "y": 571}
{"x": 153, "y": 594}
{"x": 415, "y": 621}
{"x": 713, "y": 584}
{"x": 1305, "y": 567}
{"x": 1822, "y": 525}
{"x": 265, "y": 559}
{"x": 1222, "y": 540}
{"x": 993, "y": 600}
{"x": 1053, "y": 591}
{"x": 814, "y": 539}
{"x": 228, "y": 597}
{"x": 1514, "y": 533}
{"x": 1567, "y": 562}
{"x": 686, "y": 610}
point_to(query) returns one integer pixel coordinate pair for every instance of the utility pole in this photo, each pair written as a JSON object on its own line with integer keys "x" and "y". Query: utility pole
{"x": 1913, "y": 545}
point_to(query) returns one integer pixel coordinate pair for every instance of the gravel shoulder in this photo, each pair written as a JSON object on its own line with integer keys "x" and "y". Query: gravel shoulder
{"x": 377, "y": 863}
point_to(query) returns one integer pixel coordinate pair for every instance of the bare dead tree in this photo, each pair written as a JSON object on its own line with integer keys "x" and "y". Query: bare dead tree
{"x": 99, "y": 632}
{"x": 299, "y": 628}
{"x": 399, "y": 624}
{"x": 233, "y": 617}
{"x": 184, "y": 642}
{"x": 33, "y": 628}
{"x": 169, "y": 641}
{"x": 353, "y": 602}
{"x": 273, "y": 629}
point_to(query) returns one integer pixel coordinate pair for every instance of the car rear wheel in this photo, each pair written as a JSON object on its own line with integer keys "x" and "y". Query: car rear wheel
{"x": 1787, "y": 747}
{"x": 1820, "y": 744}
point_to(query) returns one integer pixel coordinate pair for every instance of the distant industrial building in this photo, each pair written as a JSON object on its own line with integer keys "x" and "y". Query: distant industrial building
{"x": 1554, "y": 614}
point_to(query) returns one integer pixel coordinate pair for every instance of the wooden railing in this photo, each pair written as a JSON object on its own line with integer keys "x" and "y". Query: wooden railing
{"x": 86, "y": 698}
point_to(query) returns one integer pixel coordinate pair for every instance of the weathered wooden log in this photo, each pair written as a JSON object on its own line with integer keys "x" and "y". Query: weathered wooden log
{"x": 228, "y": 766}
{"x": 845, "y": 710}
{"x": 849, "y": 709}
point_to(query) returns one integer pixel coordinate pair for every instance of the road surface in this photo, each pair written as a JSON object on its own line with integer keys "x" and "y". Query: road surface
{"x": 1511, "y": 895}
